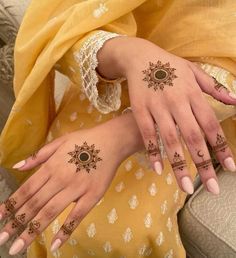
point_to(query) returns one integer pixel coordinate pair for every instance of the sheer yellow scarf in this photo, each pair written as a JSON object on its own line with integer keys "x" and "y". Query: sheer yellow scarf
{"x": 192, "y": 29}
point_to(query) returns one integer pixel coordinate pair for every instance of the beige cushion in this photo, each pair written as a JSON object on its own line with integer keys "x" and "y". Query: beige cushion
{"x": 208, "y": 222}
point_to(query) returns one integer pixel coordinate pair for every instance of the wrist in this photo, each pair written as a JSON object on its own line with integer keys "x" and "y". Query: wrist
{"x": 122, "y": 135}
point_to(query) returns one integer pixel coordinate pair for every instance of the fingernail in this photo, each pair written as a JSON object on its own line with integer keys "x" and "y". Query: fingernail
{"x": 158, "y": 167}
{"x": 55, "y": 245}
{"x": 19, "y": 164}
{"x": 17, "y": 246}
{"x": 232, "y": 95}
{"x": 1, "y": 215}
{"x": 213, "y": 186}
{"x": 187, "y": 185}
{"x": 229, "y": 164}
{"x": 4, "y": 236}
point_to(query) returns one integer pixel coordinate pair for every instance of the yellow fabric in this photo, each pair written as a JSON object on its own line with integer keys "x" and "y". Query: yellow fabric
{"x": 137, "y": 216}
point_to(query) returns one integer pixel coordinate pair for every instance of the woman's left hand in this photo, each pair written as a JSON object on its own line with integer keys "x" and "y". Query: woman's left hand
{"x": 77, "y": 167}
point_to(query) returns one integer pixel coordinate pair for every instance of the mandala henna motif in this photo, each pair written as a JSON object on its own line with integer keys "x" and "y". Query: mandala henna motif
{"x": 68, "y": 228}
{"x": 18, "y": 221}
{"x": 152, "y": 149}
{"x": 204, "y": 163}
{"x": 9, "y": 204}
{"x": 221, "y": 143}
{"x": 218, "y": 86}
{"x": 33, "y": 227}
{"x": 158, "y": 75}
{"x": 84, "y": 157}
{"x": 178, "y": 162}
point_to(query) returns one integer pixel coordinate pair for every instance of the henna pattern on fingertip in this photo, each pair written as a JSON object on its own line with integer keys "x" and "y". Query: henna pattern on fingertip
{"x": 68, "y": 228}
{"x": 33, "y": 227}
{"x": 178, "y": 162}
{"x": 152, "y": 149}
{"x": 204, "y": 163}
{"x": 158, "y": 75}
{"x": 84, "y": 157}
{"x": 221, "y": 143}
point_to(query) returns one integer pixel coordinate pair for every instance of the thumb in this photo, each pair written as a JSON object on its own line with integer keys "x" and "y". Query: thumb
{"x": 212, "y": 87}
{"x": 40, "y": 156}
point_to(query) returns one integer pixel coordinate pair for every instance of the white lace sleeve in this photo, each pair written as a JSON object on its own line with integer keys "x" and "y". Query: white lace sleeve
{"x": 86, "y": 57}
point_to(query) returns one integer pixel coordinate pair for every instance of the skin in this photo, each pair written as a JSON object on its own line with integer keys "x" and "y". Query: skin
{"x": 182, "y": 104}
{"x": 57, "y": 183}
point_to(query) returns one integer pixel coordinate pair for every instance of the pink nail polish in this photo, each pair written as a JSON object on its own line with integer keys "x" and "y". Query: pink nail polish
{"x": 55, "y": 245}
{"x": 213, "y": 186}
{"x": 17, "y": 246}
{"x": 187, "y": 185}
{"x": 229, "y": 164}
{"x": 19, "y": 164}
{"x": 4, "y": 236}
{"x": 158, "y": 167}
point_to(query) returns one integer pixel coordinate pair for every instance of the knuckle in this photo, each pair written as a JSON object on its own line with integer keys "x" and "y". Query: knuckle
{"x": 171, "y": 139}
{"x": 49, "y": 213}
{"x": 32, "y": 206}
{"x": 148, "y": 132}
{"x": 194, "y": 138}
{"x": 211, "y": 126}
{"x": 24, "y": 192}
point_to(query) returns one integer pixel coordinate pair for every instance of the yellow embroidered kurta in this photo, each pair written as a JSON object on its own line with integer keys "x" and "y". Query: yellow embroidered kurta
{"x": 137, "y": 216}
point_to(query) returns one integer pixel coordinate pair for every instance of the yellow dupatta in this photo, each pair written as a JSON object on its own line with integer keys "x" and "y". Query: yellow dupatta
{"x": 50, "y": 29}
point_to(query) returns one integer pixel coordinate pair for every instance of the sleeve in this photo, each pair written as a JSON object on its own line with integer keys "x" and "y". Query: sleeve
{"x": 79, "y": 65}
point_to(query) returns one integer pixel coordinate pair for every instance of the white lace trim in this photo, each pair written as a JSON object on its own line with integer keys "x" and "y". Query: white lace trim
{"x": 86, "y": 57}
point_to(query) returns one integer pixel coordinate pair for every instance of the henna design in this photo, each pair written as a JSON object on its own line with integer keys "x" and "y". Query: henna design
{"x": 221, "y": 143}
{"x": 33, "y": 227}
{"x": 152, "y": 149}
{"x": 158, "y": 75}
{"x": 204, "y": 163}
{"x": 34, "y": 155}
{"x": 84, "y": 157}
{"x": 18, "y": 221}
{"x": 68, "y": 228}
{"x": 178, "y": 163}
{"x": 9, "y": 204}
{"x": 218, "y": 86}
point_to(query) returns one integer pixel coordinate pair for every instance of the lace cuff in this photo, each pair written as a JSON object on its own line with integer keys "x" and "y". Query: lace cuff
{"x": 109, "y": 99}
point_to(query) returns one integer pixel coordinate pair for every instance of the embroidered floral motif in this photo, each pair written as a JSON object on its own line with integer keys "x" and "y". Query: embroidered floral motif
{"x": 148, "y": 220}
{"x": 160, "y": 239}
{"x": 133, "y": 202}
{"x": 152, "y": 189}
{"x": 112, "y": 216}
{"x": 91, "y": 230}
{"x": 97, "y": 13}
{"x": 128, "y": 235}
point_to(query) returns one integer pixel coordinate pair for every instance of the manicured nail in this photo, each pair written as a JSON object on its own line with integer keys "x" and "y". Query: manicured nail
{"x": 158, "y": 167}
{"x": 19, "y": 164}
{"x": 17, "y": 246}
{"x": 232, "y": 95}
{"x": 187, "y": 185}
{"x": 213, "y": 186}
{"x": 229, "y": 164}
{"x": 1, "y": 216}
{"x": 4, "y": 236}
{"x": 55, "y": 245}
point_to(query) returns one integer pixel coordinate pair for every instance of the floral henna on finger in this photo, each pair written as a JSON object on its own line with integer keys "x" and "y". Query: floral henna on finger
{"x": 33, "y": 227}
{"x": 68, "y": 228}
{"x": 221, "y": 144}
{"x": 152, "y": 149}
{"x": 158, "y": 75}
{"x": 10, "y": 205}
{"x": 18, "y": 221}
{"x": 204, "y": 163}
{"x": 84, "y": 157}
{"x": 178, "y": 162}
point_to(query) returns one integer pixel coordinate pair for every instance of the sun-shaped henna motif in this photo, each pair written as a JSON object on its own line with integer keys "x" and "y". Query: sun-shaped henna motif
{"x": 221, "y": 143}
{"x": 158, "y": 75}
{"x": 84, "y": 157}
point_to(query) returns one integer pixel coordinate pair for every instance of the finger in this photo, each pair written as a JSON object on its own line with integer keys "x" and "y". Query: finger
{"x": 29, "y": 210}
{"x": 212, "y": 87}
{"x": 173, "y": 148}
{"x": 82, "y": 207}
{"x": 40, "y": 156}
{"x": 149, "y": 135}
{"x": 42, "y": 220}
{"x": 22, "y": 194}
{"x": 197, "y": 147}
{"x": 210, "y": 125}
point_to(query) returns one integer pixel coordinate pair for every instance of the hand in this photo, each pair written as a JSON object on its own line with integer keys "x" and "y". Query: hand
{"x": 166, "y": 90}
{"x": 77, "y": 167}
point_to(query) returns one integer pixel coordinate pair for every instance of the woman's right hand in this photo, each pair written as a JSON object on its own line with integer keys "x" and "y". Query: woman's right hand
{"x": 166, "y": 90}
